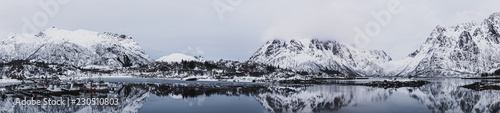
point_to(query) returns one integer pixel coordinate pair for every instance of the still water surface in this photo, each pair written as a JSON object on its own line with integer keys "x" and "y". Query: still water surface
{"x": 159, "y": 95}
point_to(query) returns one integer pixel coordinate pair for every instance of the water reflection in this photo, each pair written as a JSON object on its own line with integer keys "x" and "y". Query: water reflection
{"x": 442, "y": 95}
{"x": 447, "y": 95}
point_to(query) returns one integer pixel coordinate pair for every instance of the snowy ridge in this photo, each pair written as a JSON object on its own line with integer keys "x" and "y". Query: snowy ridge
{"x": 314, "y": 56}
{"x": 77, "y": 48}
{"x": 178, "y": 57}
{"x": 457, "y": 51}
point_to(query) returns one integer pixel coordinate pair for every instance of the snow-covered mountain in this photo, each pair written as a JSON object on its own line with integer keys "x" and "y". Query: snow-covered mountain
{"x": 178, "y": 57}
{"x": 462, "y": 50}
{"x": 78, "y": 48}
{"x": 449, "y": 97}
{"x": 131, "y": 98}
{"x": 314, "y": 56}
{"x": 456, "y": 51}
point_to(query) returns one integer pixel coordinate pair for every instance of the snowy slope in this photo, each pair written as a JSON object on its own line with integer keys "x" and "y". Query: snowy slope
{"x": 315, "y": 56}
{"x": 178, "y": 57}
{"x": 457, "y": 51}
{"x": 77, "y": 48}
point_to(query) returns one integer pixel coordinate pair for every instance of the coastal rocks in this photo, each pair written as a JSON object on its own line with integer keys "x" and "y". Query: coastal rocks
{"x": 479, "y": 86}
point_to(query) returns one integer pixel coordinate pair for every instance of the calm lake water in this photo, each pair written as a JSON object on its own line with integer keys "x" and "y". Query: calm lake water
{"x": 172, "y": 96}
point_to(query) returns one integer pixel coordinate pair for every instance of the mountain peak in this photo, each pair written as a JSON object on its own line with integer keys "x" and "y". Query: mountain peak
{"x": 291, "y": 40}
{"x": 495, "y": 15}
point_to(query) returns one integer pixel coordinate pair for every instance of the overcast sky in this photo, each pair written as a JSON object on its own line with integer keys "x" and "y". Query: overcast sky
{"x": 240, "y": 27}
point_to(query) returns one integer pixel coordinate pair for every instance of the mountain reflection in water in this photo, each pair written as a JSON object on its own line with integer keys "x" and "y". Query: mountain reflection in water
{"x": 442, "y": 95}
